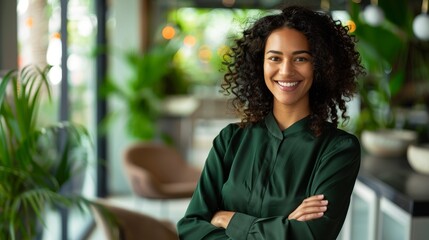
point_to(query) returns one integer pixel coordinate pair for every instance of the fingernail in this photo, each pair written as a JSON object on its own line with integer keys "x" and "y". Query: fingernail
{"x": 324, "y": 201}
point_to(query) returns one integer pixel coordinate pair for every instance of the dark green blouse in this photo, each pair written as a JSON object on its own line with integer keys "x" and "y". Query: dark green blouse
{"x": 263, "y": 174}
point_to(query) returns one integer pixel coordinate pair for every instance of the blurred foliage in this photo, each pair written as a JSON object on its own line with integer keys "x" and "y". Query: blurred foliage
{"x": 211, "y": 32}
{"x": 154, "y": 75}
{"x": 41, "y": 166}
{"x": 170, "y": 67}
{"x": 394, "y": 60}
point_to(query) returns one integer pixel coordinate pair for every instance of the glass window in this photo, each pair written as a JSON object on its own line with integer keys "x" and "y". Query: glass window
{"x": 39, "y": 43}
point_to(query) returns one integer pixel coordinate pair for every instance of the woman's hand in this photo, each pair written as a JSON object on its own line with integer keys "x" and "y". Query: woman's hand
{"x": 311, "y": 208}
{"x": 221, "y": 219}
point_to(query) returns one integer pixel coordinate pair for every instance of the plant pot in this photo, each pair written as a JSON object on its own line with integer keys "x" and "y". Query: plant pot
{"x": 418, "y": 157}
{"x": 388, "y": 143}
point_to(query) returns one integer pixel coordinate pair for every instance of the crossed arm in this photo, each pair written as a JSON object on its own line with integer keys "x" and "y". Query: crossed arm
{"x": 311, "y": 208}
{"x": 336, "y": 173}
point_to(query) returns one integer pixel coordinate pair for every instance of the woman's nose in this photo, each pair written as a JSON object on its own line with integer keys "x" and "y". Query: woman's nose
{"x": 287, "y": 68}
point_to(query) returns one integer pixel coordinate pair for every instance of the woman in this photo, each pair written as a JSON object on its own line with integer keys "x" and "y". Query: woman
{"x": 284, "y": 172}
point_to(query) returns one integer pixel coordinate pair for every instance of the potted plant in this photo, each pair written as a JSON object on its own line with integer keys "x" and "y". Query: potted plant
{"x": 154, "y": 75}
{"x": 37, "y": 163}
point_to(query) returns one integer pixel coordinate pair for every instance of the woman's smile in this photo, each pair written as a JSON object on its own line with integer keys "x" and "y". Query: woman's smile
{"x": 288, "y": 69}
{"x": 287, "y": 86}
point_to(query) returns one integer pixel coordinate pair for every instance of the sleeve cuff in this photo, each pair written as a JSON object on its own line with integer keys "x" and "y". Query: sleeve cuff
{"x": 239, "y": 226}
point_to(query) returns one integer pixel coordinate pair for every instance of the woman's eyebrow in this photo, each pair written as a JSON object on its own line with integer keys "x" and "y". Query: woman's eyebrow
{"x": 293, "y": 53}
{"x": 302, "y": 51}
{"x": 275, "y": 52}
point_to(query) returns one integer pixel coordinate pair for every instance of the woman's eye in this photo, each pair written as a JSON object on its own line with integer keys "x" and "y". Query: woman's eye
{"x": 274, "y": 58}
{"x": 301, "y": 59}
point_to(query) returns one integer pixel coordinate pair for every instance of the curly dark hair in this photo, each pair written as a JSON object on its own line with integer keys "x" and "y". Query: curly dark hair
{"x": 336, "y": 66}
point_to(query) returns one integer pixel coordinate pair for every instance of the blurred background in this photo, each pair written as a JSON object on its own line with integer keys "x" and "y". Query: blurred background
{"x": 135, "y": 71}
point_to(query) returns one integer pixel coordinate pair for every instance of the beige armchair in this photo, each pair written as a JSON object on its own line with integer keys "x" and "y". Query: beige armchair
{"x": 158, "y": 171}
{"x": 117, "y": 223}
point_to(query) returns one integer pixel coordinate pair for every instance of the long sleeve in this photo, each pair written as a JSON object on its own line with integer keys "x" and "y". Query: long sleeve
{"x": 207, "y": 196}
{"x": 263, "y": 174}
{"x": 334, "y": 177}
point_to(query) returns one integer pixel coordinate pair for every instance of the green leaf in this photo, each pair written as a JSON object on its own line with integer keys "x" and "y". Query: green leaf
{"x": 396, "y": 82}
{"x": 3, "y": 85}
{"x": 34, "y": 168}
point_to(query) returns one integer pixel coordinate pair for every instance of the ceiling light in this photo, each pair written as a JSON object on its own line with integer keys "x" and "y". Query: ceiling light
{"x": 373, "y": 14}
{"x": 421, "y": 23}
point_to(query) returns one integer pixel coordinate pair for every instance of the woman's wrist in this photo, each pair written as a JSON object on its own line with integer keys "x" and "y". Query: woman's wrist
{"x": 222, "y": 218}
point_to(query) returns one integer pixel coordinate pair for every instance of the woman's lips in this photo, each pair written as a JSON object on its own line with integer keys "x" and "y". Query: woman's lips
{"x": 287, "y": 86}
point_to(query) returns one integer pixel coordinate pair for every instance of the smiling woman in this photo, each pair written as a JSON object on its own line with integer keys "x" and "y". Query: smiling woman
{"x": 285, "y": 171}
{"x": 288, "y": 73}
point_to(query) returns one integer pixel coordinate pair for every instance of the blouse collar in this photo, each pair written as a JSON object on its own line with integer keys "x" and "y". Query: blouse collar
{"x": 273, "y": 127}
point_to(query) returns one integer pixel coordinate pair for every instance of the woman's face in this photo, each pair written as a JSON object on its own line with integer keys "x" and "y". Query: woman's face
{"x": 288, "y": 68}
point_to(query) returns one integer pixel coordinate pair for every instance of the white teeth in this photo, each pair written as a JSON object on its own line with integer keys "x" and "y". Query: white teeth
{"x": 287, "y": 84}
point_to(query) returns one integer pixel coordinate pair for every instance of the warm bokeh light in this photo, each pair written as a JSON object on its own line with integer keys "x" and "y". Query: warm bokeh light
{"x": 189, "y": 41}
{"x": 56, "y": 35}
{"x": 29, "y": 22}
{"x": 352, "y": 26}
{"x": 205, "y": 53}
{"x": 168, "y": 32}
{"x": 222, "y": 50}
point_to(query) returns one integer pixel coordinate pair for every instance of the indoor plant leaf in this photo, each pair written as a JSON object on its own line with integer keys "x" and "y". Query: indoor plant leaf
{"x": 36, "y": 163}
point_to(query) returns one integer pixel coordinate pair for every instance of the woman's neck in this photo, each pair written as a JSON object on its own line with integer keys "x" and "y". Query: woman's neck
{"x": 285, "y": 116}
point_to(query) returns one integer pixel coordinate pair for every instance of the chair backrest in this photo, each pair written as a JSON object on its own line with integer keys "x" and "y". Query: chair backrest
{"x": 159, "y": 172}
{"x": 163, "y": 162}
{"x": 118, "y": 223}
